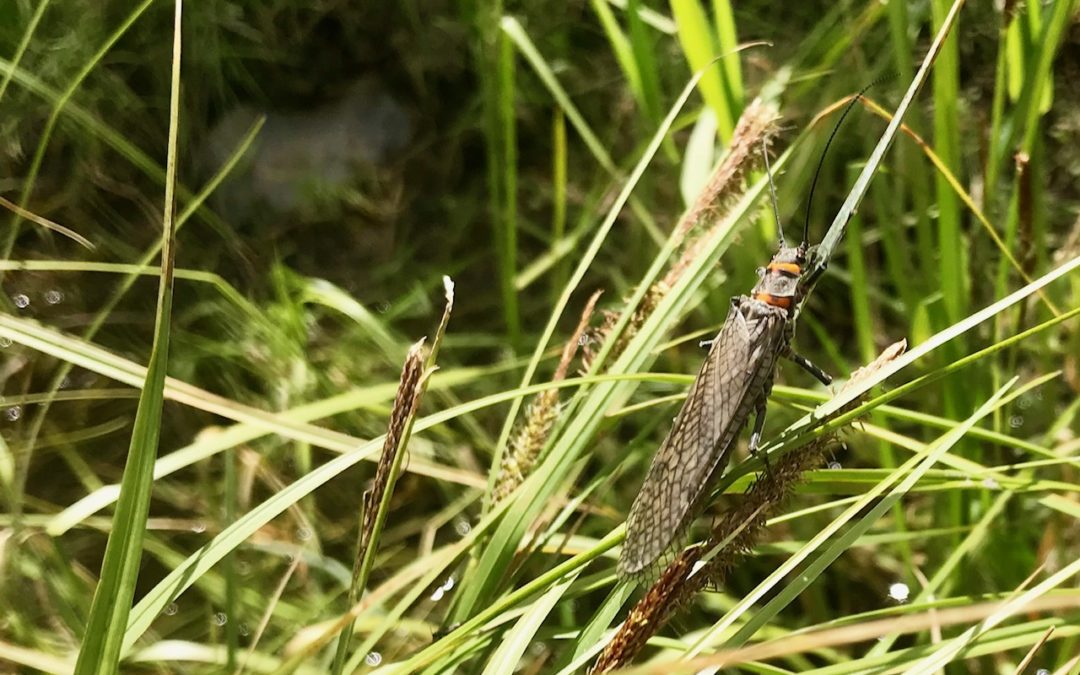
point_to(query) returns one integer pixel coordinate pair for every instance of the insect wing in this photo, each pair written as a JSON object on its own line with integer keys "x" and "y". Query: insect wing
{"x": 699, "y": 443}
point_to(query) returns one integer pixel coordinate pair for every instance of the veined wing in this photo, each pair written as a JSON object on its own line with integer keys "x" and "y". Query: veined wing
{"x": 701, "y": 438}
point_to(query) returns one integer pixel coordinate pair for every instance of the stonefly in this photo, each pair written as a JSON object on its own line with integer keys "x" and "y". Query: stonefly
{"x": 735, "y": 380}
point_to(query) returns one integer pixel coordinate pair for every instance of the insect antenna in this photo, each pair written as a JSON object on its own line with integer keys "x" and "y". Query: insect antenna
{"x": 821, "y": 162}
{"x": 772, "y": 192}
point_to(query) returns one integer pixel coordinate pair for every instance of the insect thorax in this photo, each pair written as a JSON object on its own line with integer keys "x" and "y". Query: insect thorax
{"x": 779, "y": 282}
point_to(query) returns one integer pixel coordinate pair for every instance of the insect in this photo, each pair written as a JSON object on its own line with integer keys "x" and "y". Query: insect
{"x": 735, "y": 381}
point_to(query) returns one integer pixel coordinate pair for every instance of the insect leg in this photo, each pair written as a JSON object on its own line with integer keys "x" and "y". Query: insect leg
{"x": 820, "y": 374}
{"x": 706, "y": 344}
{"x": 755, "y": 435}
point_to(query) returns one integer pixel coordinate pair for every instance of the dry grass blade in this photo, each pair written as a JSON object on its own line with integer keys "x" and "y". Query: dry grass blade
{"x": 1021, "y": 668}
{"x": 810, "y": 641}
{"x": 733, "y": 535}
{"x": 46, "y": 223}
{"x": 1022, "y": 266}
{"x": 540, "y": 416}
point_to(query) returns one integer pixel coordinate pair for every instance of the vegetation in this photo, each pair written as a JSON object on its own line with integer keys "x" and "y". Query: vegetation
{"x": 562, "y": 197}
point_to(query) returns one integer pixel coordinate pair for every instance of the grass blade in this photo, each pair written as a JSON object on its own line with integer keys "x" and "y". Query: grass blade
{"x": 102, "y": 642}
{"x": 518, "y": 639}
{"x": 700, "y": 49}
{"x": 836, "y": 229}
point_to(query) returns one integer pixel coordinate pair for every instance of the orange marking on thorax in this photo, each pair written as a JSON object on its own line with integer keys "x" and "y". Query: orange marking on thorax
{"x": 791, "y": 268}
{"x": 781, "y": 301}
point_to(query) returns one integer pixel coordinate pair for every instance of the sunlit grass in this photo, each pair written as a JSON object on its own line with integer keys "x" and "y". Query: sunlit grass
{"x": 554, "y": 156}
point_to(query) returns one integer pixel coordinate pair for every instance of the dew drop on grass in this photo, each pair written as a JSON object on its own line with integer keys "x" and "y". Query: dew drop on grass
{"x": 244, "y": 629}
{"x": 462, "y": 527}
{"x": 899, "y": 592}
{"x": 198, "y": 527}
{"x": 220, "y": 619}
{"x": 13, "y": 413}
{"x": 4, "y": 343}
{"x": 991, "y": 484}
{"x": 835, "y": 466}
{"x": 303, "y": 534}
{"x": 54, "y": 297}
{"x": 373, "y": 659}
{"x": 441, "y": 591}
{"x": 171, "y": 609}
{"x": 21, "y": 300}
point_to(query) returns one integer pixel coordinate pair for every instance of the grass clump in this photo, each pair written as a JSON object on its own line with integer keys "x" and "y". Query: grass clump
{"x": 541, "y": 153}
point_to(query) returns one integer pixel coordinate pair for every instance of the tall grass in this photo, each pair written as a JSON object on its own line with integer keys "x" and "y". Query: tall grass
{"x": 937, "y": 536}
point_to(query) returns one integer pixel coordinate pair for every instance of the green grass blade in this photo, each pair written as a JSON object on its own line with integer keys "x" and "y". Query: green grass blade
{"x": 621, "y": 47}
{"x": 855, "y": 195}
{"x": 643, "y": 46}
{"x": 700, "y": 48}
{"x": 952, "y": 258}
{"x": 727, "y": 40}
{"x": 506, "y": 169}
{"x": 20, "y": 51}
{"x": 100, "y": 651}
{"x": 518, "y": 639}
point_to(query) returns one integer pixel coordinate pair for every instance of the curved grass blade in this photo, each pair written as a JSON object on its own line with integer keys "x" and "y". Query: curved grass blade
{"x": 517, "y": 640}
